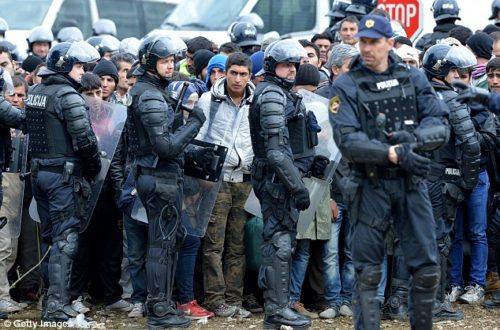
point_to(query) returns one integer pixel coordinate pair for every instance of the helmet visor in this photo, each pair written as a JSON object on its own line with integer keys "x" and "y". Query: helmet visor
{"x": 461, "y": 56}
{"x": 83, "y": 52}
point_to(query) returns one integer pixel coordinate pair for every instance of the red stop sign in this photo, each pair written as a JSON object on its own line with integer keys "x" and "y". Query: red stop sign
{"x": 408, "y": 12}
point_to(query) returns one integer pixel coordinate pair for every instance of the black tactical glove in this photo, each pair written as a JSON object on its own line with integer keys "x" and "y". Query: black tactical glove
{"x": 197, "y": 113}
{"x": 92, "y": 167}
{"x": 468, "y": 94}
{"x": 412, "y": 162}
{"x": 302, "y": 199}
{"x": 203, "y": 158}
{"x": 319, "y": 166}
{"x": 401, "y": 137}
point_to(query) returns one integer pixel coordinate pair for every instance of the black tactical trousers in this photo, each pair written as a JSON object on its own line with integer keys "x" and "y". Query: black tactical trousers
{"x": 280, "y": 228}
{"x": 161, "y": 195}
{"x": 414, "y": 224}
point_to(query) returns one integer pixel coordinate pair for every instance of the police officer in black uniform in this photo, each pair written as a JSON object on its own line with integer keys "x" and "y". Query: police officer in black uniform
{"x": 384, "y": 109}
{"x": 64, "y": 151}
{"x": 283, "y": 137}
{"x": 445, "y": 14}
{"x": 157, "y": 138}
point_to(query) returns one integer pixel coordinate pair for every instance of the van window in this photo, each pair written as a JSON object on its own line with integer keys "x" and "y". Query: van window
{"x": 74, "y": 11}
{"x": 287, "y": 16}
{"x": 205, "y": 14}
{"x": 124, "y": 14}
{"x": 26, "y": 16}
{"x": 155, "y": 13}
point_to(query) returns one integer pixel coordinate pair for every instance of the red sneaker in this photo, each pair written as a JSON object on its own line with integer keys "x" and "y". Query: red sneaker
{"x": 194, "y": 311}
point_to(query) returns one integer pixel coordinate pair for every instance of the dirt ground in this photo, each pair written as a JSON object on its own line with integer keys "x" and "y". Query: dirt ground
{"x": 475, "y": 318}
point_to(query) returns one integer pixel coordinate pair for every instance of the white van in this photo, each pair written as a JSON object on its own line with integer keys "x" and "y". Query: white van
{"x": 133, "y": 18}
{"x": 211, "y": 18}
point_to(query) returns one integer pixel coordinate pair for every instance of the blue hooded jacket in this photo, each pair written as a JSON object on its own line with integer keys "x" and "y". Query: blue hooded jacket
{"x": 218, "y": 61}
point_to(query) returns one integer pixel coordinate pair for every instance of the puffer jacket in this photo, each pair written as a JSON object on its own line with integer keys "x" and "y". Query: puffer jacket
{"x": 228, "y": 126}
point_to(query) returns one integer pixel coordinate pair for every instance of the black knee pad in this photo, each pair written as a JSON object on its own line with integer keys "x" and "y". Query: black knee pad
{"x": 282, "y": 242}
{"x": 426, "y": 278}
{"x": 369, "y": 278}
{"x": 68, "y": 242}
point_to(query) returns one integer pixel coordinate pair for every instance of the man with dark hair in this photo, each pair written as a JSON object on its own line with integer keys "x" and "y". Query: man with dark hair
{"x": 324, "y": 42}
{"x": 193, "y": 45}
{"x": 6, "y": 61}
{"x": 496, "y": 43}
{"x": 226, "y": 107}
{"x": 91, "y": 85}
{"x": 461, "y": 33}
{"x": 228, "y": 48}
{"x": 348, "y": 30}
{"x": 123, "y": 63}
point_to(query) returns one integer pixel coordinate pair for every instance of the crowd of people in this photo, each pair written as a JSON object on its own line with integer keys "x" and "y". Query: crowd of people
{"x": 128, "y": 166}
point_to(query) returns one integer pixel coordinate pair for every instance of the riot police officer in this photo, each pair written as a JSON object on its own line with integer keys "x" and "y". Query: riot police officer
{"x": 244, "y": 34}
{"x": 454, "y": 168}
{"x": 383, "y": 110}
{"x": 64, "y": 150}
{"x": 445, "y": 14}
{"x": 39, "y": 41}
{"x": 157, "y": 139}
{"x": 282, "y": 140}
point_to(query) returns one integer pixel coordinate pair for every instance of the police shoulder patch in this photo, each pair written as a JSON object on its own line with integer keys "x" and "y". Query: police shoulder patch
{"x": 334, "y": 104}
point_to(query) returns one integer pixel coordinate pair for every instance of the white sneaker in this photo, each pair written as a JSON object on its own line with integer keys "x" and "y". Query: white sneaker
{"x": 345, "y": 310}
{"x": 137, "y": 310}
{"x": 120, "y": 306}
{"x": 79, "y": 306}
{"x": 456, "y": 291}
{"x": 9, "y": 306}
{"x": 473, "y": 294}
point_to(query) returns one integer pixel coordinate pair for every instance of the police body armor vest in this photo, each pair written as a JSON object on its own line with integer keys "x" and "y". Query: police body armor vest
{"x": 49, "y": 137}
{"x": 296, "y": 122}
{"x": 394, "y": 97}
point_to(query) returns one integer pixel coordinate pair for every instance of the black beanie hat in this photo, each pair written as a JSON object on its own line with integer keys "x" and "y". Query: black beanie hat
{"x": 30, "y": 63}
{"x": 490, "y": 28}
{"x": 308, "y": 74}
{"x": 481, "y": 45}
{"x": 201, "y": 59}
{"x": 106, "y": 68}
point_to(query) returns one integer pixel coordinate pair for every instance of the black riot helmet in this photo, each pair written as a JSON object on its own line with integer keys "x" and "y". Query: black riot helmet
{"x": 69, "y": 34}
{"x": 283, "y": 51}
{"x": 441, "y": 58}
{"x": 495, "y": 8}
{"x": 243, "y": 34}
{"x": 338, "y": 10}
{"x": 444, "y": 9}
{"x": 40, "y": 34}
{"x": 361, "y": 7}
{"x": 152, "y": 49}
{"x": 105, "y": 44}
{"x": 64, "y": 55}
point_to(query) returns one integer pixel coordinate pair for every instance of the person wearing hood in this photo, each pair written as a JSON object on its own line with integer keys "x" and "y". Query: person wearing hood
{"x": 387, "y": 180}
{"x": 226, "y": 107}
{"x": 216, "y": 69}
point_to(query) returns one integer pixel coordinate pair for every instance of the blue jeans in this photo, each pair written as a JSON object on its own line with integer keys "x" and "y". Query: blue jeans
{"x": 137, "y": 238}
{"x": 474, "y": 206}
{"x": 337, "y": 291}
{"x": 184, "y": 275}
